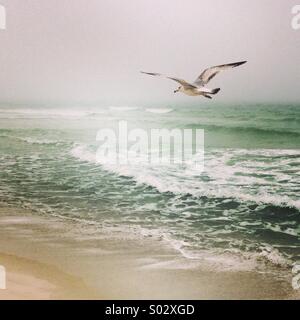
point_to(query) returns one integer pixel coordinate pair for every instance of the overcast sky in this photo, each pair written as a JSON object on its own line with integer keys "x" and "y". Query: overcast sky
{"x": 91, "y": 51}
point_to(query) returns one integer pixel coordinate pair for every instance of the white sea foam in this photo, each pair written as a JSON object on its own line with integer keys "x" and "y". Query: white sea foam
{"x": 231, "y": 260}
{"x": 235, "y": 181}
{"x": 82, "y": 154}
{"x": 273, "y": 255}
{"x": 40, "y": 141}
{"x": 221, "y": 260}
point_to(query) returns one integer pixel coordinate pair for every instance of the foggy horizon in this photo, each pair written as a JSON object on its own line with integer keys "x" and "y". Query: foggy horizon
{"x": 62, "y": 53}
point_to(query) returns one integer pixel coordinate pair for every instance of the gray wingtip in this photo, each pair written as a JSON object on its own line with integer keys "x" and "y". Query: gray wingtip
{"x": 150, "y": 73}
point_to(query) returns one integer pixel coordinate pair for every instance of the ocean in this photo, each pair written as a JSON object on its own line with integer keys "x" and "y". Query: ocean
{"x": 244, "y": 205}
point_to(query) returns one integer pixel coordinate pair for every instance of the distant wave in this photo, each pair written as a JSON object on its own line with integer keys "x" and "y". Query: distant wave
{"x": 245, "y": 129}
{"x": 37, "y": 113}
{"x": 33, "y": 140}
{"x": 159, "y": 110}
{"x": 40, "y": 141}
{"x": 123, "y": 108}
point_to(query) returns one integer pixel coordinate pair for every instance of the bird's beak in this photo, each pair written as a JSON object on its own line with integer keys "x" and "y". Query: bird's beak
{"x": 175, "y": 91}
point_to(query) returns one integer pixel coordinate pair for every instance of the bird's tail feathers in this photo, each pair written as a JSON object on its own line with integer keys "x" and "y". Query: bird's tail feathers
{"x": 214, "y": 91}
{"x": 207, "y": 96}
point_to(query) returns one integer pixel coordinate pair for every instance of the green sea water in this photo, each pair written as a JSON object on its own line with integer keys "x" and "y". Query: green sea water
{"x": 246, "y": 202}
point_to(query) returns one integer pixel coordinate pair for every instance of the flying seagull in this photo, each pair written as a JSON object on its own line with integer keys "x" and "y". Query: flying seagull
{"x": 198, "y": 87}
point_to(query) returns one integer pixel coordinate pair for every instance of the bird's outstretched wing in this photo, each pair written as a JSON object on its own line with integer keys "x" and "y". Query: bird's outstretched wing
{"x": 211, "y": 72}
{"x": 180, "y": 81}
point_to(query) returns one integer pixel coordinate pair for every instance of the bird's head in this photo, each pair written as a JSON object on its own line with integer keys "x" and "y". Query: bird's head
{"x": 178, "y": 89}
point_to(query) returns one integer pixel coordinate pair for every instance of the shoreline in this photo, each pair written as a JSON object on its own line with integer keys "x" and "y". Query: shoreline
{"x": 48, "y": 258}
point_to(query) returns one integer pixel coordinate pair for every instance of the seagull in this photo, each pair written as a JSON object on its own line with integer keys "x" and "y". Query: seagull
{"x": 198, "y": 87}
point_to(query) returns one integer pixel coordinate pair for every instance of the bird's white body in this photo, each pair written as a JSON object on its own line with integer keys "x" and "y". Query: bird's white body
{"x": 194, "y": 91}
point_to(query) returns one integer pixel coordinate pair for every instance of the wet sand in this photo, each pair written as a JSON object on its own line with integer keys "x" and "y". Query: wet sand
{"x": 30, "y": 280}
{"x": 50, "y": 258}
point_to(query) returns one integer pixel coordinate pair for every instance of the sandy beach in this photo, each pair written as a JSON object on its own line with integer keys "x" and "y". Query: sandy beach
{"x": 48, "y": 258}
{"x": 27, "y": 276}
{"x": 31, "y": 280}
